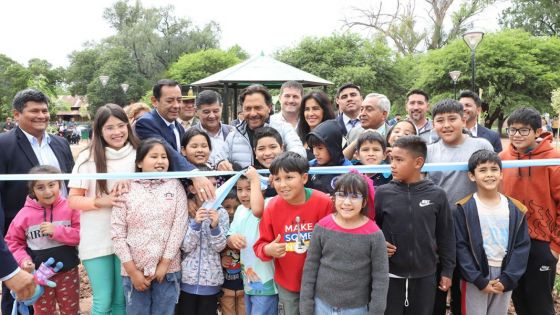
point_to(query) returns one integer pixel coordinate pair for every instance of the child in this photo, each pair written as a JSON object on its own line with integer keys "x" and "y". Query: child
{"x": 196, "y": 146}
{"x": 268, "y": 145}
{"x": 112, "y": 149}
{"x": 416, "y": 221}
{"x": 147, "y": 231}
{"x": 46, "y": 227}
{"x": 539, "y": 190}
{"x": 453, "y": 146}
{"x": 261, "y": 295}
{"x": 347, "y": 252}
{"x": 371, "y": 148}
{"x": 201, "y": 267}
{"x": 287, "y": 224}
{"x": 326, "y": 142}
{"x": 492, "y": 240}
{"x": 231, "y": 301}
{"x": 402, "y": 128}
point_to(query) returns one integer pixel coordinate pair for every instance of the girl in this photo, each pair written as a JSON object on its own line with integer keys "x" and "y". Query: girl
{"x": 347, "y": 252}
{"x": 113, "y": 149}
{"x": 400, "y": 129}
{"x": 196, "y": 146}
{"x": 371, "y": 148}
{"x": 261, "y": 294}
{"x": 315, "y": 109}
{"x": 201, "y": 267}
{"x": 46, "y": 227}
{"x": 147, "y": 235}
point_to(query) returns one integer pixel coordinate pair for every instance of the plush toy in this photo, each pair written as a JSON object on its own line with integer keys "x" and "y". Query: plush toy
{"x": 42, "y": 275}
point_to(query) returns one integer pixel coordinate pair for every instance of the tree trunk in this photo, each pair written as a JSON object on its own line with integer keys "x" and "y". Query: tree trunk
{"x": 501, "y": 120}
{"x": 492, "y": 117}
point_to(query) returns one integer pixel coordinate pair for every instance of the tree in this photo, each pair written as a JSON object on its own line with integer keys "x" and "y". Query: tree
{"x": 513, "y": 69}
{"x": 538, "y": 17}
{"x": 195, "y": 66}
{"x": 13, "y": 78}
{"x": 401, "y": 27}
{"x": 342, "y": 58}
{"x": 155, "y": 37}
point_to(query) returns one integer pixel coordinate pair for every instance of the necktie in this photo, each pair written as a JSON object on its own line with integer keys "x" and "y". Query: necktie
{"x": 176, "y": 135}
{"x": 353, "y": 122}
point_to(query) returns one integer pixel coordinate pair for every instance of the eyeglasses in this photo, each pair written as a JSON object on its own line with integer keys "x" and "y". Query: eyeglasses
{"x": 353, "y": 197}
{"x": 522, "y": 131}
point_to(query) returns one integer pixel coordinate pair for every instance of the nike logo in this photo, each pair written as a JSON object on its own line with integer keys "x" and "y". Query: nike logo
{"x": 544, "y": 268}
{"x": 424, "y": 203}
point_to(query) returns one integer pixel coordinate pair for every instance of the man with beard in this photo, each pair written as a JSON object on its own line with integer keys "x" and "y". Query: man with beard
{"x": 472, "y": 107}
{"x": 417, "y": 106}
{"x": 291, "y": 93}
{"x": 349, "y": 100}
{"x": 238, "y": 150}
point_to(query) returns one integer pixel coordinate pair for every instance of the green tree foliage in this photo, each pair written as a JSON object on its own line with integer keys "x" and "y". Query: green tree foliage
{"x": 348, "y": 57}
{"x": 538, "y": 17}
{"x": 513, "y": 69}
{"x": 155, "y": 37}
{"x": 195, "y": 66}
{"x": 13, "y": 78}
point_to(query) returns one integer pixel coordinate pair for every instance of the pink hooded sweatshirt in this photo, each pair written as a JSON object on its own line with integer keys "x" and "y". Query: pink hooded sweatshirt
{"x": 25, "y": 240}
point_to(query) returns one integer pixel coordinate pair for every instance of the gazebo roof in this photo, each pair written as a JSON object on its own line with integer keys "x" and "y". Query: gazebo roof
{"x": 261, "y": 69}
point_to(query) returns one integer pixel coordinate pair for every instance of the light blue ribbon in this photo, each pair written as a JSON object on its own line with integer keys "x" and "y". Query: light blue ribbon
{"x": 385, "y": 168}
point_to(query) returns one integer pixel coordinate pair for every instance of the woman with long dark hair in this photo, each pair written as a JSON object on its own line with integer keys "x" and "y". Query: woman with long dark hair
{"x": 315, "y": 108}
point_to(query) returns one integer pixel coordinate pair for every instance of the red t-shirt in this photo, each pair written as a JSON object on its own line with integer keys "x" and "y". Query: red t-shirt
{"x": 294, "y": 223}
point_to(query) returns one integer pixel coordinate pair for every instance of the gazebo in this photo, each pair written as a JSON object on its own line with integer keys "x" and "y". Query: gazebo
{"x": 259, "y": 69}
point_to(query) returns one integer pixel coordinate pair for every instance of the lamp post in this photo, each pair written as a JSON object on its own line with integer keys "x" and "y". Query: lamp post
{"x": 472, "y": 39}
{"x": 104, "y": 79}
{"x": 124, "y": 87}
{"x": 454, "y": 76}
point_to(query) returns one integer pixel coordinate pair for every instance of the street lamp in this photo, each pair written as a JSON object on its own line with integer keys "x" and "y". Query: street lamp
{"x": 104, "y": 79}
{"x": 455, "y": 76}
{"x": 472, "y": 39}
{"x": 124, "y": 87}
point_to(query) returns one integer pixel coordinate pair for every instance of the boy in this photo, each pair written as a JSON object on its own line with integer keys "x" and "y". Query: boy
{"x": 371, "y": 148}
{"x": 268, "y": 145}
{"x": 416, "y": 221}
{"x": 454, "y": 146}
{"x": 287, "y": 224}
{"x": 326, "y": 142}
{"x": 539, "y": 190}
{"x": 492, "y": 239}
{"x": 261, "y": 295}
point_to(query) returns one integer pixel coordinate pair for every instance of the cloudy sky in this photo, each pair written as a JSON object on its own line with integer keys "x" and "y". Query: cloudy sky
{"x": 53, "y": 29}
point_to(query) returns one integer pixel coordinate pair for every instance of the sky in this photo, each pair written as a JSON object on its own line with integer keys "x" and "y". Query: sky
{"x": 51, "y": 30}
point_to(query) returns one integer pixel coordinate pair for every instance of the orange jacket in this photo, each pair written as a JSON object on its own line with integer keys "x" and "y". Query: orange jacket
{"x": 538, "y": 188}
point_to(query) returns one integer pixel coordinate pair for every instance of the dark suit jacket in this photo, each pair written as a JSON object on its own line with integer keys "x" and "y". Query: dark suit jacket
{"x": 17, "y": 157}
{"x": 7, "y": 262}
{"x": 151, "y": 125}
{"x": 492, "y": 137}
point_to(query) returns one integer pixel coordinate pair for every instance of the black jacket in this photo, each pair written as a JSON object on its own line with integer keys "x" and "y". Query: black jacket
{"x": 18, "y": 157}
{"x": 416, "y": 219}
{"x": 471, "y": 257}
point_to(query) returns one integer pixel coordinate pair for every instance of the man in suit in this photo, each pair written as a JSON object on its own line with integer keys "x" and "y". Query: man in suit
{"x": 349, "y": 100}
{"x": 14, "y": 278}
{"x": 472, "y": 107}
{"x": 162, "y": 123}
{"x": 24, "y": 147}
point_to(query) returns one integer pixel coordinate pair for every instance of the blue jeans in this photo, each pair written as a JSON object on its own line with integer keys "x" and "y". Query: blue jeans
{"x": 159, "y": 298}
{"x": 322, "y": 308}
{"x": 261, "y": 304}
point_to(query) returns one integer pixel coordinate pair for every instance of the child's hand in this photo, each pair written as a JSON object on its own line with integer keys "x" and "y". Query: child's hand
{"x": 214, "y": 217}
{"x": 498, "y": 286}
{"x": 161, "y": 270}
{"x": 391, "y": 249}
{"x": 47, "y": 228}
{"x": 226, "y": 261}
{"x": 251, "y": 174}
{"x": 238, "y": 241}
{"x": 275, "y": 248}
{"x": 444, "y": 284}
{"x": 191, "y": 208}
{"x": 490, "y": 287}
{"x": 28, "y": 266}
{"x": 139, "y": 281}
{"x": 201, "y": 215}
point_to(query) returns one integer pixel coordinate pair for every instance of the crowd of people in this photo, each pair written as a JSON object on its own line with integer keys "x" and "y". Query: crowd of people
{"x": 400, "y": 241}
